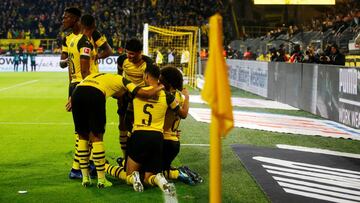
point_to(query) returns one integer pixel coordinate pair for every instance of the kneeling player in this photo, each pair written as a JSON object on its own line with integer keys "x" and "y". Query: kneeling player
{"x": 172, "y": 79}
{"x": 145, "y": 146}
{"x": 88, "y": 109}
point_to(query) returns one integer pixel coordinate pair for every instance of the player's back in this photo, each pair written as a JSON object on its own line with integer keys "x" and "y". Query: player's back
{"x": 172, "y": 119}
{"x": 149, "y": 114}
{"x": 79, "y": 47}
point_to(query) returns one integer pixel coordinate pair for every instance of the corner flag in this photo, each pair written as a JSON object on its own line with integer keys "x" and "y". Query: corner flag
{"x": 217, "y": 93}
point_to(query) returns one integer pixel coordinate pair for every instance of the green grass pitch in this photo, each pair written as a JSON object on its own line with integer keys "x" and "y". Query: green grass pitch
{"x": 37, "y": 143}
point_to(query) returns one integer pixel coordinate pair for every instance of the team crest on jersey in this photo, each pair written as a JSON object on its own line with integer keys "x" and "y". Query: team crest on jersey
{"x": 71, "y": 44}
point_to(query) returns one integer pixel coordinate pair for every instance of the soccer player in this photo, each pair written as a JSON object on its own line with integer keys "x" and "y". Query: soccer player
{"x": 89, "y": 114}
{"x": 71, "y": 20}
{"x": 132, "y": 66}
{"x": 33, "y": 61}
{"x": 145, "y": 146}
{"x": 172, "y": 79}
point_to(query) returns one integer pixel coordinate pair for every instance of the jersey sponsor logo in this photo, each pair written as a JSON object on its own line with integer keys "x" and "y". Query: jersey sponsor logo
{"x": 87, "y": 50}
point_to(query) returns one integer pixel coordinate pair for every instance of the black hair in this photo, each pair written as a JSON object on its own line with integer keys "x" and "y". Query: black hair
{"x": 134, "y": 45}
{"x": 172, "y": 76}
{"x": 87, "y": 20}
{"x": 75, "y": 11}
{"x": 153, "y": 70}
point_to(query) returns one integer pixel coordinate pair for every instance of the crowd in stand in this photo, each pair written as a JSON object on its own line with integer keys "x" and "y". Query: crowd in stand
{"x": 120, "y": 20}
{"x": 345, "y": 15}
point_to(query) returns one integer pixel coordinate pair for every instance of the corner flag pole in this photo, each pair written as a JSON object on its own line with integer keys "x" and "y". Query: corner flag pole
{"x": 217, "y": 93}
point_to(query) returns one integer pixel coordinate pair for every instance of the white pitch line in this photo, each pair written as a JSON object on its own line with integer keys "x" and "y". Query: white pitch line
{"x": 34, "y": 123}
{"x": 318, "y": 196}
{"x": 18, "y": 85}
{"x": 196, "y": 145}
{"x": 321, "y": 186}
{"x": 318, "y": 191}
{"x": 317, "y": 150}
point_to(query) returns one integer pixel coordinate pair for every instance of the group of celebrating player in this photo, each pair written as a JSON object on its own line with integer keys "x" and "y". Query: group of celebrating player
{"x": 151, "y": 103}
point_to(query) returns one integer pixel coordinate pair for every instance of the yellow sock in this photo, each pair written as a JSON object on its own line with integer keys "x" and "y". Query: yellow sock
{"x": 152, "y": 180}
{"x": 129, "y": 179}
{"x": 173, "y": 174}
{"x": 116, "y": 171}
{"x": 76, "y": 164}
{"x": 98, "y": 152}
{"x": 83, "y": 153}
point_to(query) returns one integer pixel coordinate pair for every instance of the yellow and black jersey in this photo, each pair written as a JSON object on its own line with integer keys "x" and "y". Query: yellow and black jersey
{"x": 172, "y": 119}
{"x": 109, "y": 84}
{"x": 133, "y": 71}
{"x": 66, "y": 41}
{"x": 98, "y": 41}
{"x": 149, "y": 114}
{"x": 79, "y": 47}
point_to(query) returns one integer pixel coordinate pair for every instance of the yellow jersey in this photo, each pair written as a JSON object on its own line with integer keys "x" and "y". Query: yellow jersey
{"x": 133, "y": 71}
{"x": 172, "y": 119}
{"x": 79, "y": 47}
{"x": 109, "y": 84}
{"x": 149, "y": 114}
{"x": 66, "y": 42}
{"x": 97, "y": 40}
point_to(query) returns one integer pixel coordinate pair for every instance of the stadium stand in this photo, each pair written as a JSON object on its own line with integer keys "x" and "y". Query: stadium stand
{"x": 120, "y": 20}
{"x": 40, "y": 22}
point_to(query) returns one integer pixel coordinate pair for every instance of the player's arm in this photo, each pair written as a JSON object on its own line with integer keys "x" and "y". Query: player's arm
{"x": 137, "y": 91}
{"x": 105, "y": 49}
{"x": 64, "y": 54}
{"x": 120, "y": 62}
{"x": 84, "y": 47}
{"x": 184, "y": 110}
{"x": 174, "y": 105}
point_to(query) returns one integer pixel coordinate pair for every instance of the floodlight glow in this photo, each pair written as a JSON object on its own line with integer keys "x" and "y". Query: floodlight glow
{"x": 294, "y": 2}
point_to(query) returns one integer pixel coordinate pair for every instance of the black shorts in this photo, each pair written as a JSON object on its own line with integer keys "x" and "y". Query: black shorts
{"x": 145, "y": 148}
{"x": 126, "y": 117}
{"x": 88, "y": 109}
{"x": 72, "y": 87}
{"x": 170, "y": 151}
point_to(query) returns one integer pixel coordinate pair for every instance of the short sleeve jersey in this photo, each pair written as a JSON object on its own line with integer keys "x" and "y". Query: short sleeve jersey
{"x": 172, "y": 120}
{"x": 97, "y": 40}
{"x": 109, "y": 84}
{"x": 149, "y": 114}
{"x": 79, "y": 48}
{"x": 66, "y": 42}
{"x": 134, "y": 71}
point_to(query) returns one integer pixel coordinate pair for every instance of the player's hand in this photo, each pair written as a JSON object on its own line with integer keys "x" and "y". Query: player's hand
{"x": 68, "y": 105}
{"x": 64, "y": 63}
{"x": 178, "y": 133}
{"x": 185, "y": 92}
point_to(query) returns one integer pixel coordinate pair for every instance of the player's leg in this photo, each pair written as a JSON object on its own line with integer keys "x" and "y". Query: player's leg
{"x": 97, "y": 120}
{"x": 116, "y": 171}
{"x": 170, "y": 151}
{"x": 80, "y": 117}
{"x": 134, "y": 159}
{"x": 75, "y": 172}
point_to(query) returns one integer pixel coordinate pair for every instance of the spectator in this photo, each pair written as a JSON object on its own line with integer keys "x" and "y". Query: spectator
{"x": 248, "y": 55}
{"x": 336, "y": 58}
{"x": 296, "y": 55}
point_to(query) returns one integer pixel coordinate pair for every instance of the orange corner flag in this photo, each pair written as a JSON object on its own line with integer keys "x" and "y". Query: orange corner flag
{"x": 217, "y": 93}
